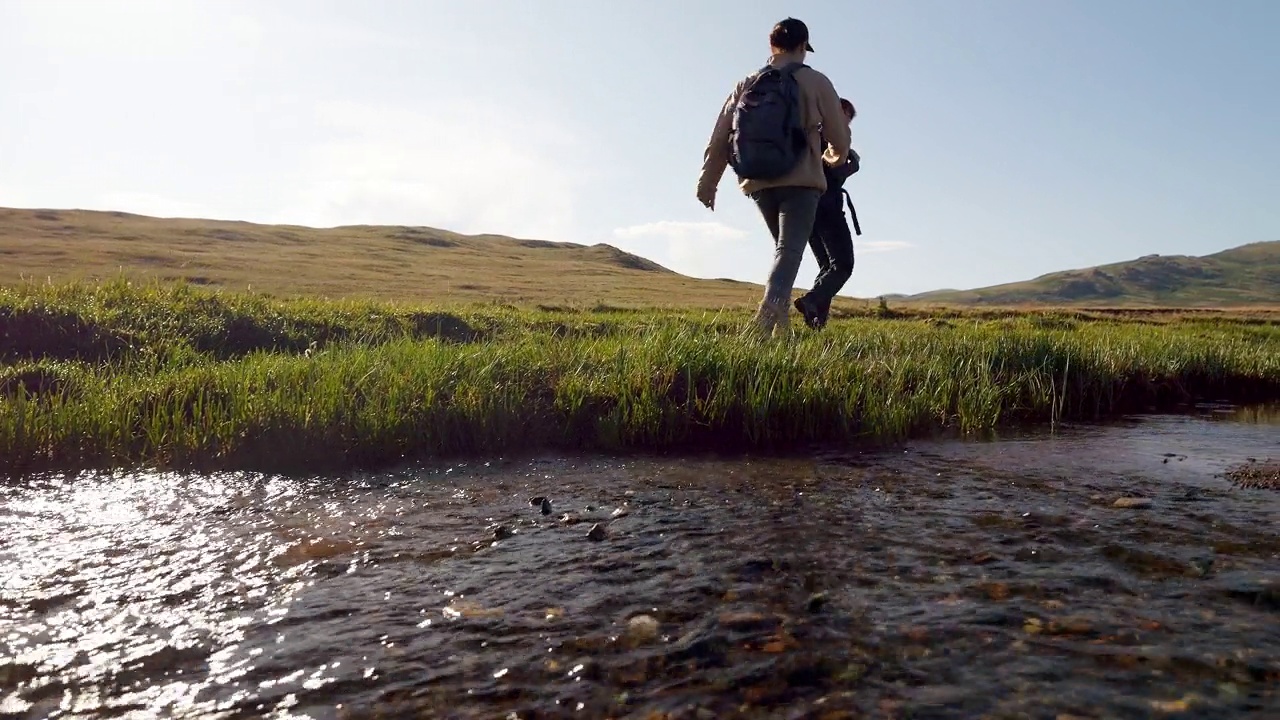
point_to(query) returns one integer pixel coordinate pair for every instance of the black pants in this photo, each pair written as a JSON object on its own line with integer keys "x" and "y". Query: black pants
{"x": 832, "y": 246}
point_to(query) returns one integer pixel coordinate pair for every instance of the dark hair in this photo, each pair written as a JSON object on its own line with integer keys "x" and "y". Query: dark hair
{"x": 790, "y": 35}
{"x": 848, "y": 107}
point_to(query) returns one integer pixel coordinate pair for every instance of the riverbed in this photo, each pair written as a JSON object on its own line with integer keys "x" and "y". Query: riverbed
{"x": 1100, "y": 571}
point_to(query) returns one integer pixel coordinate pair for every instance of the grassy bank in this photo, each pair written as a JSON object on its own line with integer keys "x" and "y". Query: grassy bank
{"x": 113, "y": 375}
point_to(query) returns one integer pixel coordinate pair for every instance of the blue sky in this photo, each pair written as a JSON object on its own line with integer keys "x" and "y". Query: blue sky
{"x": 1001, "y": 139}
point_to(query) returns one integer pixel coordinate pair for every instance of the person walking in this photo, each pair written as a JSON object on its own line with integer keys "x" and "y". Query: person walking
{"x": 831, "y": 241}
{"x": 768, "y": 131}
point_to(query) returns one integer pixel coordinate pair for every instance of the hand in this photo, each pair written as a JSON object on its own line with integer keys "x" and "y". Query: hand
{"x": 707, "y": 196}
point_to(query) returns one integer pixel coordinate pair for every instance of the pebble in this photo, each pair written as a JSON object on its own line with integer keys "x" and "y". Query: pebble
{"x": 742, "y": 621}
{"x": 1133, "y": 503}
{"x": 596, "y": 532}
{"x": 642, "y": 628}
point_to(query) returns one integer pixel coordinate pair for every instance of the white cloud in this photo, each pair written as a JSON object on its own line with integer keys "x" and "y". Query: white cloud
{"x": 10, "y": 197}
{"x": 471, "y": 167}
{"x": 699, "y": 249}
{"x": 681, "y": 231}
{"x": 879, "y": 246}
{"x": 142, "y": 203}
{"x": 716, "y": 249}
{"x": 141, "y": 28}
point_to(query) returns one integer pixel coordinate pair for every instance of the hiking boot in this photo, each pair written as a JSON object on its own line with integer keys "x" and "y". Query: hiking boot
{"x": 824, "y": 314}
{"x": 772, "y": 319}
{"x": 810, "y": 311}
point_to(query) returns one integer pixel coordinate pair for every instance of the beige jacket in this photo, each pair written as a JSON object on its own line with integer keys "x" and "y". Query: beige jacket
{"x": 819, "y": 103}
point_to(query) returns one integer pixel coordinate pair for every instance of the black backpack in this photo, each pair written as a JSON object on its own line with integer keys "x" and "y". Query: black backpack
{"x": 768, "y": 137}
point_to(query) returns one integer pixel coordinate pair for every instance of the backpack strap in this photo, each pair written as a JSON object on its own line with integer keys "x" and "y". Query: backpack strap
{"x": 852, "y": 213}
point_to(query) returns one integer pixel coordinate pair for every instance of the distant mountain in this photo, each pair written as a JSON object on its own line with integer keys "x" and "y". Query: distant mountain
{"x": 409, "y": 264}
{"x": 1246, "y": 275}
{"x": 422, "y": 264}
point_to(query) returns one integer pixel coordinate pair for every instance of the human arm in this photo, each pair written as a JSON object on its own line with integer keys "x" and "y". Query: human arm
{"x": 715, "y": 158}
{"x": 834, "y": 125}
{"x": 848, "y": 167}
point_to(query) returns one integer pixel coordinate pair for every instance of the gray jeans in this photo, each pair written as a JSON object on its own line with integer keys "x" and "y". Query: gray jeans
{"x": 789, "y": 213}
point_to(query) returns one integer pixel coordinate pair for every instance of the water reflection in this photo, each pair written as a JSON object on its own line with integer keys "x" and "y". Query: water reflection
{"x": 1264, "y": 414}
{"x": 947, "y": 580}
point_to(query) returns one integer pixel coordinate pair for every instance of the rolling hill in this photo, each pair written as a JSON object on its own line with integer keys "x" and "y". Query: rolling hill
{"x": 406, "y": 264}
{"x": 426, "y": 265}
{"x": 1246, "y": 275}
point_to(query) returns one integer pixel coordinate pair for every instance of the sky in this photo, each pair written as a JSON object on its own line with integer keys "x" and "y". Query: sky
{"x": 1000, "y": 139}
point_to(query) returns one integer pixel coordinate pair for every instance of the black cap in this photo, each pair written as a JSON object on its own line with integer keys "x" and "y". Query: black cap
{"x": 789, "y": 35}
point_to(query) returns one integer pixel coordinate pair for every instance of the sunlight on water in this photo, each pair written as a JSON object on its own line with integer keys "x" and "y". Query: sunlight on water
{"x": 974, "y": 575}
{"x": 131, "y": 577}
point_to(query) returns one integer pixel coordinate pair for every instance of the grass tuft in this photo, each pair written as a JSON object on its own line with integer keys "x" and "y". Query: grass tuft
{"x": 115, "y": 374}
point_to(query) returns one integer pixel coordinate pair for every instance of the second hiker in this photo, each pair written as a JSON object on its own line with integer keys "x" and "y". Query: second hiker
{"x": 831, "y": 242}
{"x": 768, "y": 130}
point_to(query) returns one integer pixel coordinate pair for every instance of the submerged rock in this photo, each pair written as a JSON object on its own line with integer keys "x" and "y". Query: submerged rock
{"x": 1255, "y": 475}
{"x": 747, "y": 621}
{"x": 596, "y": 532}
{"x": 1132, "y": 503}
{"x": 642, "y": 629}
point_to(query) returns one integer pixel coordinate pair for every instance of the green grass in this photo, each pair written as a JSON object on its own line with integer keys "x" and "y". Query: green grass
{"x": 121, "y": 376}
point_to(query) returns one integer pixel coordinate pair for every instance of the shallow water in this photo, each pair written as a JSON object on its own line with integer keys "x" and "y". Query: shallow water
{"x": 946, "y": 579}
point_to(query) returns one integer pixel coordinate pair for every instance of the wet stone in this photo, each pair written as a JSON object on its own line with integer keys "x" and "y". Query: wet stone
{"x": 748, "y": 621}
{"x": 502, "y": 532}
{"x": 597, "y": 533}
{"x": 642, "y": 629}
{"x": 1132, "y": 503}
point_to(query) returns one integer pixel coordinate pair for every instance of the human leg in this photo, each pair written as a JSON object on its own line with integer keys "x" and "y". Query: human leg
{"x": 838, "y": 245}
{"x": 792, "y": 228}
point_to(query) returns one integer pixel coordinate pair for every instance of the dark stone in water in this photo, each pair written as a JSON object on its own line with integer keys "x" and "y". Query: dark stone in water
{"x": 596, "y": 532}
{"x": 748, "y": 621}
{"x": 1191, "y": 495}
{"x": 754, "y": 569}
{"x": 1262, "y": 592}
{"x": 816, "y": 602}
{"x": 502, "y": 532}
{"x": 998, "y": 618}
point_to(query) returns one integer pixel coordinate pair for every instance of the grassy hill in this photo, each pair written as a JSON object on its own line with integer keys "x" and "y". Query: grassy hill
{"x": 1246, "y": 275}
{"x": 426, "y": 265}
{"x": 395, "y": 263}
